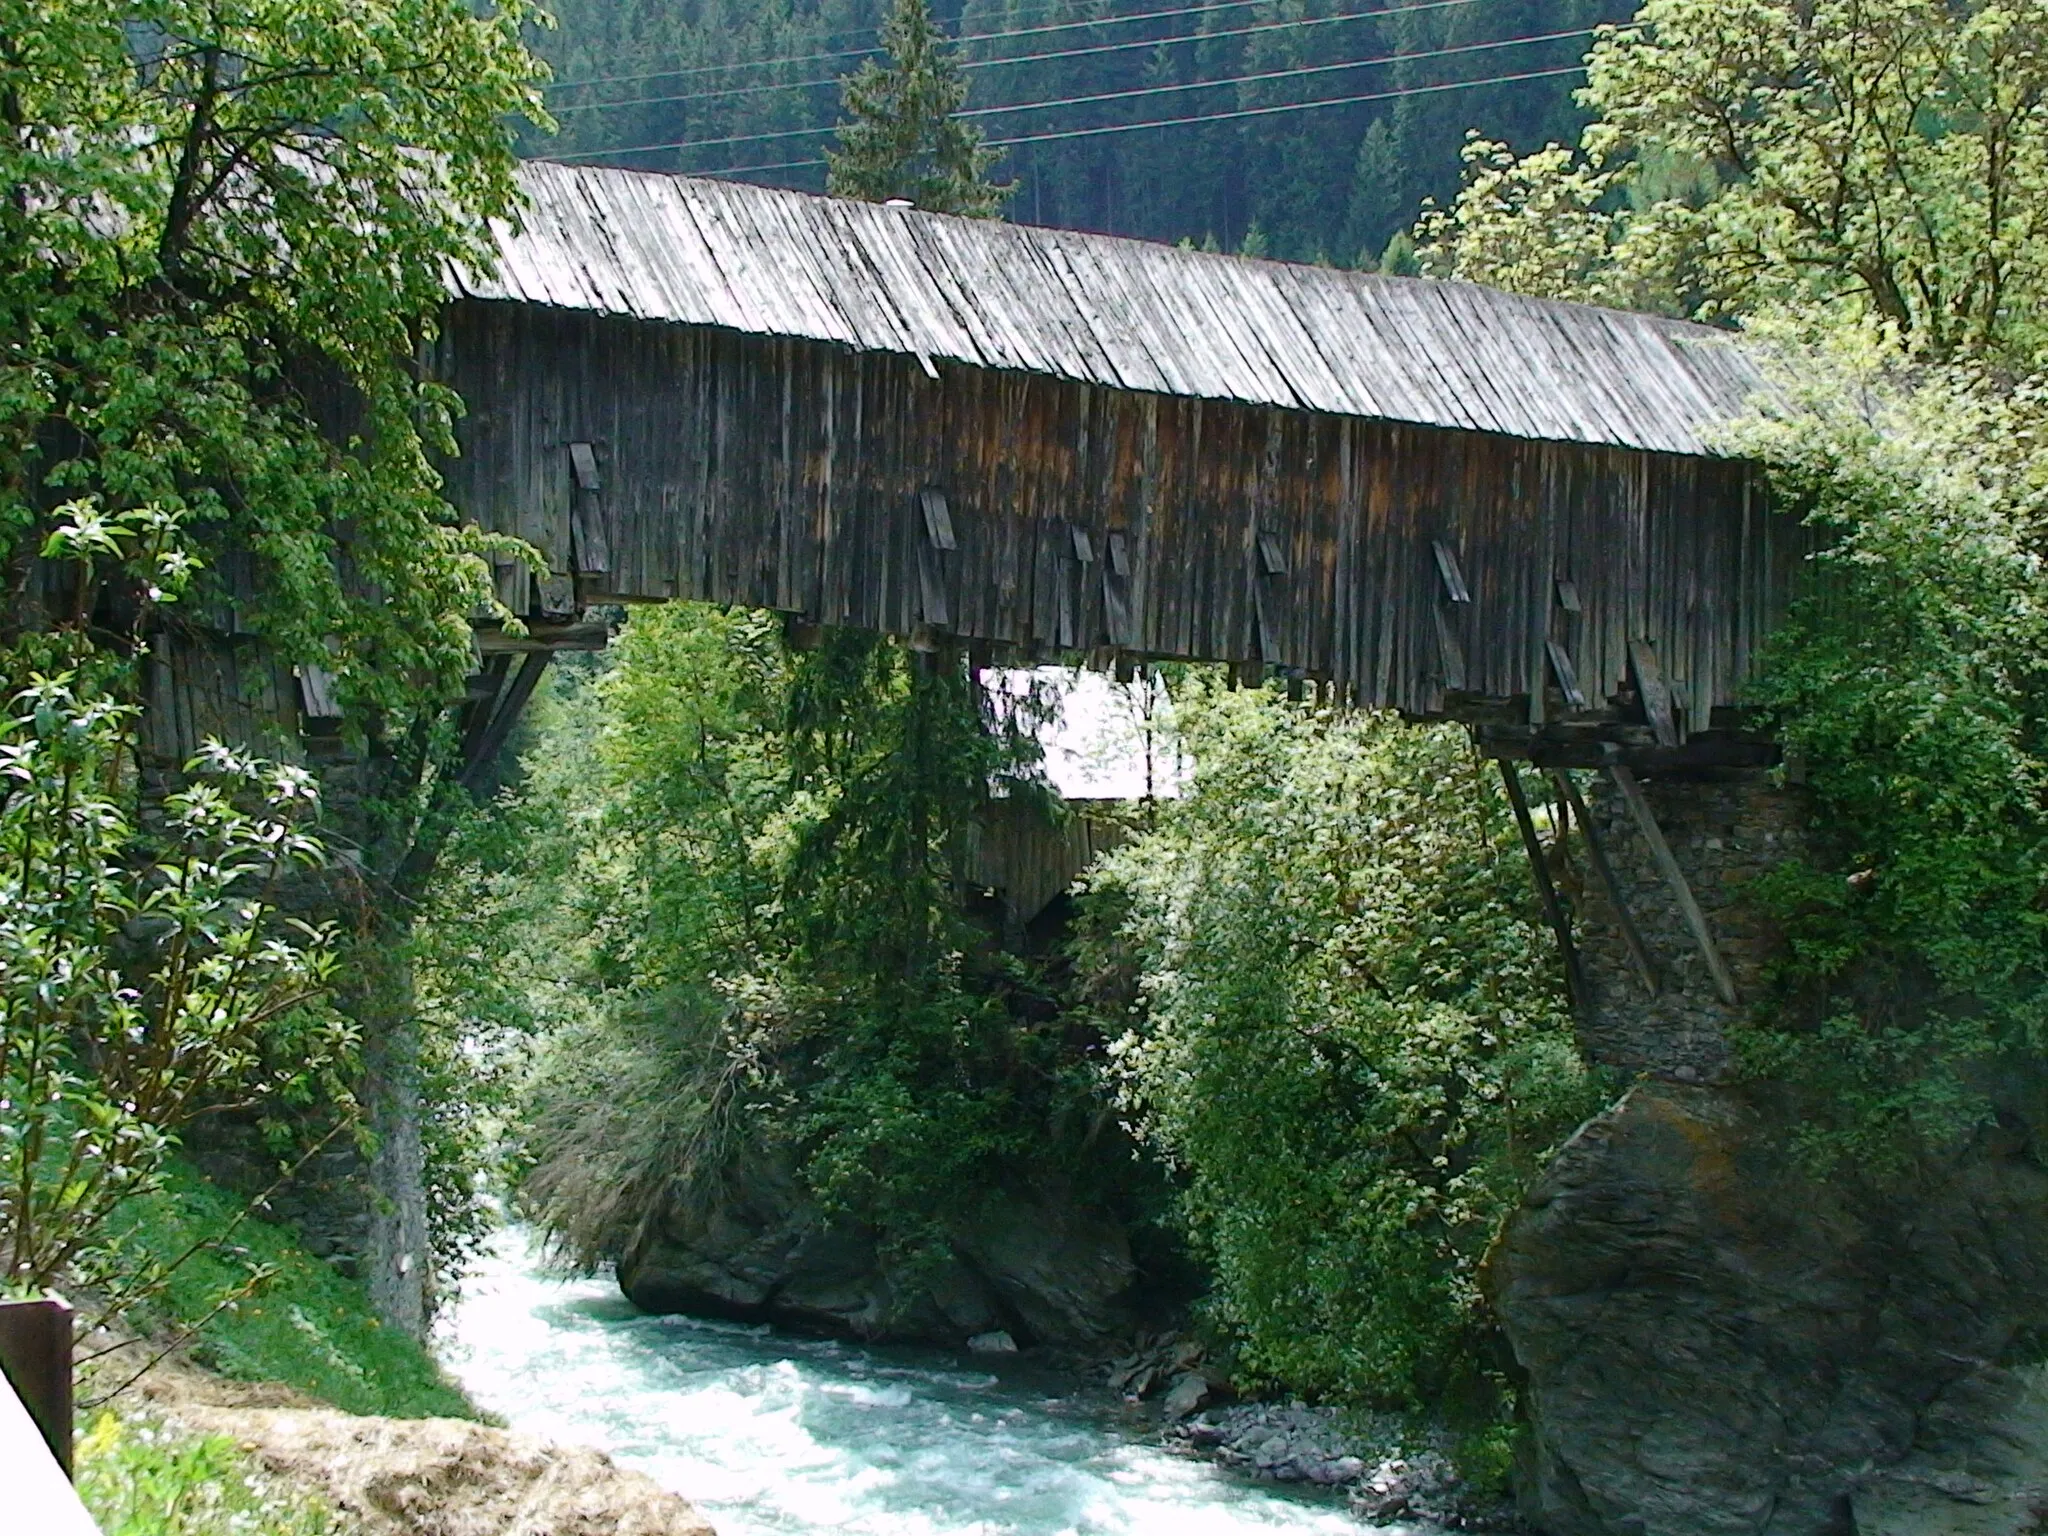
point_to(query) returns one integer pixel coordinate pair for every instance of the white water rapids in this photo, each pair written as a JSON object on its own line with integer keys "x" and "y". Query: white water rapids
{"x": 771, "y": 1435}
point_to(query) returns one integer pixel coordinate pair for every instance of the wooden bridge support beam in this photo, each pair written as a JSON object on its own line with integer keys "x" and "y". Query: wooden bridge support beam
{"x": 480, "y": 754}
{"x": 1546, "y": 889}
{"x": 1596, "y": 855}
{"x": 1674, "y": 877}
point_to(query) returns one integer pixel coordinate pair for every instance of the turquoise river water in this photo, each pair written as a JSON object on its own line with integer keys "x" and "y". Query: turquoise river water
{"x": 771, "y": 1435}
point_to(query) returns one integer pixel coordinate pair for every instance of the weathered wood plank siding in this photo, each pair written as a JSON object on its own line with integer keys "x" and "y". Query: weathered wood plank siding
{"x": 787, "y": 474}
{"x": 1442, "y": 498}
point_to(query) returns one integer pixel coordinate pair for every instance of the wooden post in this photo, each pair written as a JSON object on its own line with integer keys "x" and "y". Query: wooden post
{"x": 479, "y": 722}
{"x": 1695, "y": 919}
{"x": 1596, "y": 855}
{"x": 1553, "y": 904}
{"x": 477, "y": 773}
{"x": 35, "y": 1354}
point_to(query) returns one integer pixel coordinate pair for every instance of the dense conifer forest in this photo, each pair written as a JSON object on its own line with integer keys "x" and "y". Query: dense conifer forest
{"x": 1239, "y": 158}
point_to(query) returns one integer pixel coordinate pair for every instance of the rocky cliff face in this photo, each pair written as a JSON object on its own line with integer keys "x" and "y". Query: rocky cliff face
{"x": 1035, "y": 1265}
{"x": 1718, "y": 1343}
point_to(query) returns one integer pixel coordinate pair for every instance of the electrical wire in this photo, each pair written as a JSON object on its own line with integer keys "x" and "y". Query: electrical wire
{"x": 1066, "y": 101}
{"x": 1273, "y": 74}
{"x": 975, "y": 37}
{"x": 1293, "y": 106}
{"x": 1170, "y": 122}
{"x": 1022, "y": 58}
{"x": 1184, "y": 121}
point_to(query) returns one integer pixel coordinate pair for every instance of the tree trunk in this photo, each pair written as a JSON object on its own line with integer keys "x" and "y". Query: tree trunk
{"x": 397, "y": 1265}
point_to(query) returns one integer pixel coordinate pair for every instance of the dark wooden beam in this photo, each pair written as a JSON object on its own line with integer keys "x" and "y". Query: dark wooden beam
{"x": 35, "y": 1355}
{"x": 541, "y": 635}
{"x": 1667, "y": 865}
{"x": 479, "y": 771}
{"x": 1596, "y": 855}
{"x": 1546, "y": 889}
{"x": 477, "y": 716}
{"x": 1600, "y": 744}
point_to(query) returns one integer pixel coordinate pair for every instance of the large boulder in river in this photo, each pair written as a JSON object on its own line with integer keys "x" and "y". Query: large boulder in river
{"x": 1035, "y": 1264}
{"x": 1718, "y": 1342}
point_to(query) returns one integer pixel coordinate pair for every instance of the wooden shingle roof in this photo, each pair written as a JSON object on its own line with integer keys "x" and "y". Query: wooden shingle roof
{"x": 1125, "y": 314}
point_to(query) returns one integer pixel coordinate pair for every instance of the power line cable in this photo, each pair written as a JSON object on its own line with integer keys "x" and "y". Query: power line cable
{"x": 1022, "y": 58}
{"x": 1181, "y": 122}
{"x": 1273, "y": 74}
{"x": 1293, "y": 106}
{"x": 976, "y": 37}
{"x": 1150, "y": 90}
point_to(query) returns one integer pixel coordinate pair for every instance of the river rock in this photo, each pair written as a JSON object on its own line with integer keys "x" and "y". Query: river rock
{"x": 1189, "y": 1392}
{"x": 414, "y": 1477}
{"x": 1718, "y": 1343}
{"x": 1032, "y": 1264}
{"x": 997, "y": 1342}
{"x": 448, "y": 1477}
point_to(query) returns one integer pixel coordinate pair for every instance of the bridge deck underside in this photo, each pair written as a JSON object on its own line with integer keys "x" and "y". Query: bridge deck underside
{"x": 1440, "y": 572}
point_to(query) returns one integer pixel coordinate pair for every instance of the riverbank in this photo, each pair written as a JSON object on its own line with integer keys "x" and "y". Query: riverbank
{"x": 384, "y": 1476}
{"x": 1388, "y": 1468}
{"x": 256, "y": 1392}
{"x": 777, "y": 1435}
{"x": 1389, "y": 1472}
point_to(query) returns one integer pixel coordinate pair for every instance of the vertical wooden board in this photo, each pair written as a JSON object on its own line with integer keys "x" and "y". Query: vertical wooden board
{"x": 1143, "y": 521}
{"x": 830, "y": 387}
{"x": 787, "y": 522}
{"x": 1086, "y": 496}
{"x": 1232, "y": 489}
{"x": 1174, "y": 556}
{"x": 768, "y": 471}
{"x": 1339, "y": 596}
{"x": 1540, "y": 491}
{"x": 547, "y": 471}
{"x": 667, "y": 508}
{"x": 1374, "y": 559}
{"x": 898, "y": 521}
{"x": 1322, "y": 543}
{"x": 613, "y": 419}
{"x": 1010, "y": 614}
{"x": 1367, "y": 576}
{"x": 1601, "y": 568}
{"x": 1163, "y": 569}
{"x": 692, "y": 508}
{"x": 1388, "y": 552}
{"x": 739, "y": 474}
{"x": 763, "y": 567}
{"x": 992, "y": 519}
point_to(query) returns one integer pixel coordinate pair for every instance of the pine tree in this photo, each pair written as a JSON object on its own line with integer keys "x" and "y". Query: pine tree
{"x": 1380, "y": 201}
{"x": 902, "y": 139}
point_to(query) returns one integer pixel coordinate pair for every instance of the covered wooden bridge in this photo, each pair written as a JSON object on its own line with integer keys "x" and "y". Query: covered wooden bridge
{"x": 1430, "y": 496}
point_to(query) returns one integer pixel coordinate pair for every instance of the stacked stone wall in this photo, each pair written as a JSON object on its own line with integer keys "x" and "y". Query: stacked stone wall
{"x": 1725, "y": 833}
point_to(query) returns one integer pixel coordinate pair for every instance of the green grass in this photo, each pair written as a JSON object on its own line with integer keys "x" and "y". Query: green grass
{"x": 141, "y": 1479}
{"x": 306, "y": 1325}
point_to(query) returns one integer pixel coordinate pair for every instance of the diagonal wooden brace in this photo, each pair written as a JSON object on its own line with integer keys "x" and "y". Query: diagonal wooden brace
{"x": 1695, "y": 919}
{"x": 1596, "y": 851}
{"x": 1553, "y": 904}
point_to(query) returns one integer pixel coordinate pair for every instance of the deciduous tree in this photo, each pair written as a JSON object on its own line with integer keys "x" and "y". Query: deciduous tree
{"x": 1885, "y": 159}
